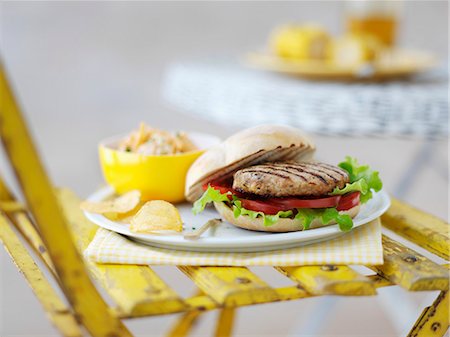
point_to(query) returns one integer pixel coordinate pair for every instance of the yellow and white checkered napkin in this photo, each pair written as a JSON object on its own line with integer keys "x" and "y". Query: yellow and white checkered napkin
{"x": 361, "y": 246}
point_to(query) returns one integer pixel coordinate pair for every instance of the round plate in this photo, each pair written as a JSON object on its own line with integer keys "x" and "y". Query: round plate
{"x": 397, "y": 63}
{"x": 228, "y": 238}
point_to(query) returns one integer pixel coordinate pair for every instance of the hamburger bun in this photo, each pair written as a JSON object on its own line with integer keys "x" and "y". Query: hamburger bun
{"x": 264, "y": 143}
{"x": 282, "y": 225}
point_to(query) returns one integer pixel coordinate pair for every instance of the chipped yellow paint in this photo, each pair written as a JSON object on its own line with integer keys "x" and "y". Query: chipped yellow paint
{"x": 379, "y": 281}
{"x": 22, "y": 221}
{"x": 329, "y": 280}
{"x": 231, "y": 286}
{"x": 292, "y": 293}
{"x": 412, "y": 271}
{"x": 204, "y": 302}
{"x": 422, "y": 228}
{"x": 225, "y": 322}
{"x": 56, "y": 310}
{"x": 137, "y": 290}
{"x": 201, "y": 303}
{"x": 434, "y": 320}
{"x": 90, "y": 308}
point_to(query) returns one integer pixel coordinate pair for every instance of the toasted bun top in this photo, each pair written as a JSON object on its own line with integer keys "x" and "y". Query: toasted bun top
{"x": 246, "y": 148}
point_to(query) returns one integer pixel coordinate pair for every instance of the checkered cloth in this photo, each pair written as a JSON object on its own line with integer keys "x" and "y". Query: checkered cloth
{"x": 362, "y": 246}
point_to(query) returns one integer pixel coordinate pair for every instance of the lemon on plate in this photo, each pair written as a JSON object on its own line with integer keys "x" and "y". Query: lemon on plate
{"x": 300, "y": 42}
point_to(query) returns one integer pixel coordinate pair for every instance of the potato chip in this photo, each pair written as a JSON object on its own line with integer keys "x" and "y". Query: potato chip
{"x": 155, "y": 216}
{"x": 122, "y": 204}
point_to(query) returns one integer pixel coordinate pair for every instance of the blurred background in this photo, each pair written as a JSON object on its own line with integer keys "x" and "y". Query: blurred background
{"x": 84, "y": 71}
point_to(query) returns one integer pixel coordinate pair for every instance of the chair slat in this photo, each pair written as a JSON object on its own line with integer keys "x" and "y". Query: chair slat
{"x": 225, "y": 322}
{"x": 434, "y": 320}
{"x": 204, "y": 302}
{"x": 379, "y": 281}
{"x": 184, "y": 324}
{"x": 59, "y": 313}
{"x": 187, "y": 320}
{"x": 137, "y": 290}
{"x": 292, "y": 293}
{"x": 201, "y": 303}
{"x": 330, "y": 280}
{"x": 22, "y": 221}
{"x": 231, "y": 286}
{"x": 409, "y": 269}
{"x": 419, "y": 227}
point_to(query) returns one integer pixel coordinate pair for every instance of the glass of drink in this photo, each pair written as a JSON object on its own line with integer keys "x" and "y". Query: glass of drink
{"x": 378, "y": 18}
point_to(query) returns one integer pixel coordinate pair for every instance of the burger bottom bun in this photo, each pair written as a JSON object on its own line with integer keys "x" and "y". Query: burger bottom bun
{"x": 282, "y": 225}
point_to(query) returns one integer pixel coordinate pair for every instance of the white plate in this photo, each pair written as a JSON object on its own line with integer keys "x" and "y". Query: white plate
{"x": 228, "y": 238}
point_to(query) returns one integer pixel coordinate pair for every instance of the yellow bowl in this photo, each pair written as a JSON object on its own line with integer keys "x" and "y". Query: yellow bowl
{"x": 158, "y": 177}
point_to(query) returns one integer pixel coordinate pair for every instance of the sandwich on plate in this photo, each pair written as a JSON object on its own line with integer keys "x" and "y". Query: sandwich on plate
{"x": 266, "y": 179}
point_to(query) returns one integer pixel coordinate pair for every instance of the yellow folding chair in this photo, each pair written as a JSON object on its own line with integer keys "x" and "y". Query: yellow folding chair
{"x": 54, "y": 227}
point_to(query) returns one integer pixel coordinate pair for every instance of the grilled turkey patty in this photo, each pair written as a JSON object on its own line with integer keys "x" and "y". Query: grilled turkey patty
{"x": 283, "y": 179}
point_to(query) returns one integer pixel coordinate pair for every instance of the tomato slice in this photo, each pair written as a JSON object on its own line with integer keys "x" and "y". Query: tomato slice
{"x": 348, "y": 201}
{"x": 274, "y": 205}
{"x": 262, "y": 206}
{"x": 223, "y": 188}
{"x": 289, "y": 203}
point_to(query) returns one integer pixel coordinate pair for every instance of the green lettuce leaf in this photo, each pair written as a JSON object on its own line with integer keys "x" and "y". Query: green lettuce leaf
{"x": 210, "y": 195}
{"x": 358, "y": 173}
{"x": 270, "y": 220}
{"x": 325, "y": 215}
{"x": 305, "y": 216}
{"x": 344, "y": 221}
{"x": 359, "y": 185}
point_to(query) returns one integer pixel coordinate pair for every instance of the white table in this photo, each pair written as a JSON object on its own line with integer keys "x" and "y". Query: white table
{"x": 232, "y": 94}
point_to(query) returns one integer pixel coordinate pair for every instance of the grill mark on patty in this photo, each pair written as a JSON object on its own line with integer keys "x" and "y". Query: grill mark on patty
{"x": 323, "y": 168}
{"x": 273, "y": 167}
{"x": 302, "y": 173}
{"x": 326, "y": 168}
{"x": 267, "y": 172}
{"x": 268, "y": 168}
{"x": 315, "y": 174}
{"x": 340, "y": 171}
{"x": 300, "y": 168}
{"x": 327, "y": 172}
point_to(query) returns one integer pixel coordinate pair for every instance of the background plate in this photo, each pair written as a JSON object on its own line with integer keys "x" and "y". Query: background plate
{"x": 228, "y": 238}
{"x": 396, "y": 64}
